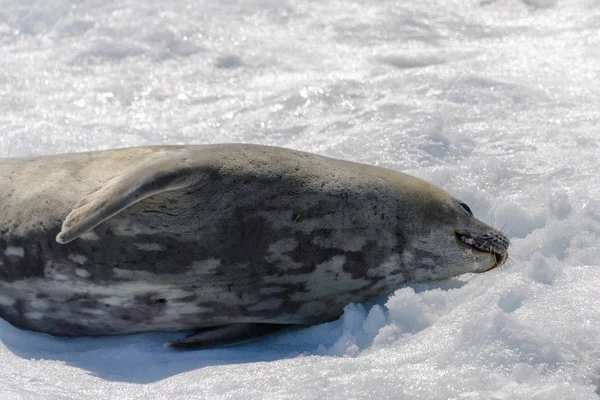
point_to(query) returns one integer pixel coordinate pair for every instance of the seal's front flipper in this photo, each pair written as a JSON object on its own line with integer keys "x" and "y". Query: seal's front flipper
{"x": 226, "y": 335}
{"x": 170, "y": 171}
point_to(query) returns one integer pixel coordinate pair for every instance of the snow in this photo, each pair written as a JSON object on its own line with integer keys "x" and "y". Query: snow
{"x": 496, "y": 101}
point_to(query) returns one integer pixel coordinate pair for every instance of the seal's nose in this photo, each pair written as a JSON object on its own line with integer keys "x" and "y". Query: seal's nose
{"x": 496, "y": 242}
{"x": 493, "y": 241}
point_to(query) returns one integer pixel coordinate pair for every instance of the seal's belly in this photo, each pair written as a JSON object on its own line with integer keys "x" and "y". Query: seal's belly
{"x": 72, "y": 305}
{"x": 76, "y": 308}
{"x": 131, "y": 277}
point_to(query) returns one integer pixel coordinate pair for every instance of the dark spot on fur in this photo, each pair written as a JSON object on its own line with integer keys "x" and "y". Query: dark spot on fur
{"x": 31, "y": 264}
{"x": 19, "y": 306}
{"x": 187, "y": 299}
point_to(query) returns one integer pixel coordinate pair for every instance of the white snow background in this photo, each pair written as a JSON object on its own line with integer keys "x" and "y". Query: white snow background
{"x": 496, "y": 101}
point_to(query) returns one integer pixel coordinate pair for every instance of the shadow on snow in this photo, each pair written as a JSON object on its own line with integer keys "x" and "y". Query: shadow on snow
{"x": 142, "y": 358}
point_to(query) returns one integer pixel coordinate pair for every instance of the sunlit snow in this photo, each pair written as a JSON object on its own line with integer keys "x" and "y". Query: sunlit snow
{"x": 496, "y": 101}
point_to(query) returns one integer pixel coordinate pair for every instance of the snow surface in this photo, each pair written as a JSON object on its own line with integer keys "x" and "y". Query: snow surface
{"x": 496, "y": 101}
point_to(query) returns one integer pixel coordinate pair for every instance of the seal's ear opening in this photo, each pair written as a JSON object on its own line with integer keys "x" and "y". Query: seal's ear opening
{"x": 170, "y": 172}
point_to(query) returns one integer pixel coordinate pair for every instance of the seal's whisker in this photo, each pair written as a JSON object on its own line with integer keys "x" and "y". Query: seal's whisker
{"x": 492, "y": 215}
{"x": 510, "y": 261}
{"x": 505, "y": 230}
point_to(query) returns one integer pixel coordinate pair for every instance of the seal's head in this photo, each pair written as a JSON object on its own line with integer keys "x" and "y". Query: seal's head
{"x": 448, "y": 240}
{"x": 481, "y": 240}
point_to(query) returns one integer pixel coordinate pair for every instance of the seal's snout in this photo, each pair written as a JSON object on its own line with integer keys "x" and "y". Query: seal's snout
{"x": 494, "y": 242}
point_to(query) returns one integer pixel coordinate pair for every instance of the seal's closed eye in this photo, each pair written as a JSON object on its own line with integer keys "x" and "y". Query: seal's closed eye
{"x": 466, "y": 208}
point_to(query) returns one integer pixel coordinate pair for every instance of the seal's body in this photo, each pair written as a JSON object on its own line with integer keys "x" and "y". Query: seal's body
{"x": 231, "y": 236}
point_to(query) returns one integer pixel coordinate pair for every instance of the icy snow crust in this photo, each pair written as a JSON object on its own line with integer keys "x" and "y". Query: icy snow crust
{"x": 496, "y": 101}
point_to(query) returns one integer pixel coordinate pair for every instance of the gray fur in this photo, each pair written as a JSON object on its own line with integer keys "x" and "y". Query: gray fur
{"x": 176, "y": 238}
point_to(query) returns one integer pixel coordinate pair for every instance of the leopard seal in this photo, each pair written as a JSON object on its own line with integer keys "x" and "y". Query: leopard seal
{"x": 232, "y": 240}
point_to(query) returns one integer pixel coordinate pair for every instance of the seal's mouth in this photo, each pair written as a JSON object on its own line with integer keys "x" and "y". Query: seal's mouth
{"x": 495, "y": 244}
